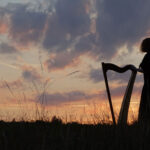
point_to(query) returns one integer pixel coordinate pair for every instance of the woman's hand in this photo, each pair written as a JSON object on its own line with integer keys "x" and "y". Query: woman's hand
{"x": 133, "y": 68}
{"x": 140, "y": 70}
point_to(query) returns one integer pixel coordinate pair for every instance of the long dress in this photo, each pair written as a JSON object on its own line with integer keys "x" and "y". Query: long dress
{"x": 144, "y": 109}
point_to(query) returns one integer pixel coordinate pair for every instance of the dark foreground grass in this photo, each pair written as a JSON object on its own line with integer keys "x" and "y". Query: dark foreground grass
{"x": 55, "y": 135}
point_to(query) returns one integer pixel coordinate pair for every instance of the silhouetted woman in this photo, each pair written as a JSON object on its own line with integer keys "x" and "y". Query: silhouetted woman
{"x": 144, "y": 109}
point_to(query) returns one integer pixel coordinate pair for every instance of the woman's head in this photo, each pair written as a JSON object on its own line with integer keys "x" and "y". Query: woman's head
{"x": 145, "y": 45}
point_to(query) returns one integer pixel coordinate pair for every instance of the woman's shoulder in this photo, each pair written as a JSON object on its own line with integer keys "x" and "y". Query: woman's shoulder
{"x": 147, "y": 57}
{"x": 146, "y": 60}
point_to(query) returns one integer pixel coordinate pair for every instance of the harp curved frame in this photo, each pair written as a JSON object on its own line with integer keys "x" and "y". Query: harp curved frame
{"x": 123, "y": 115}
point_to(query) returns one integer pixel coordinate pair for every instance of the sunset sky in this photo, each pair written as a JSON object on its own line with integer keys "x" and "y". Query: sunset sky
{"x": 51, "y": 53}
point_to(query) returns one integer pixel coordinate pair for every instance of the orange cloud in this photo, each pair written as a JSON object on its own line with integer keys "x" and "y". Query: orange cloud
{"x": 3, "y": 27}
{"x": 13, "y": 84}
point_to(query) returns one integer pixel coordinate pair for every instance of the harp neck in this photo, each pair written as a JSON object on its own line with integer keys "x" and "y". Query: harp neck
{"x": 109, "y": 66}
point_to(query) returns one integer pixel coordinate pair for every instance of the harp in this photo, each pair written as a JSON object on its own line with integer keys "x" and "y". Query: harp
{"x": 123, "y": 114}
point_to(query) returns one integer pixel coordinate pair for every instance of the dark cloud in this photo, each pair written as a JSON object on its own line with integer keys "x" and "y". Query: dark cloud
{"x": 62, "y": 26}
{"x": 26, "y": 25}
{"x": 69, "y": 21}
{"x": 30, "y": 74}
{"x": 96, "y": 75}
{"x": 58, "y": 98}
{"x": 74, "y": 96}
{"x": 7, "y": 49}
{"x": 139, "y": 78}
{"x": 67, "y": 25}
{"x": 119, "y": 92}
{"x": 86, "y": 44}
{"x": 62, "y": 60}
{"x": 117, "y": 23}
{"x": 121, "y": 22}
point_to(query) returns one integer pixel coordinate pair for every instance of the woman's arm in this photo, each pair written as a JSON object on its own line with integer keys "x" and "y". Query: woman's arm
{"x": 140, "y": 70}
{"x": 137, "y": 69}
{"x": 144, "y": 66}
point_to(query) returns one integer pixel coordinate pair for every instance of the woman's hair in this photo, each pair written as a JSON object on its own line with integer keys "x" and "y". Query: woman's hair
{"x": 145, "y": 45}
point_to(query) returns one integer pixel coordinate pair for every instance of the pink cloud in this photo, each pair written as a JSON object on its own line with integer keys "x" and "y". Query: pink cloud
{"x": 59, "y": 98}
{"x": 3, "y": 28}
{"x": 12, "y": 84}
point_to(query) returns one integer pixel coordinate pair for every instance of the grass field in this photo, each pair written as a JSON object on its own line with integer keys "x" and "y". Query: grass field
{"x": 56, "y": 135}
